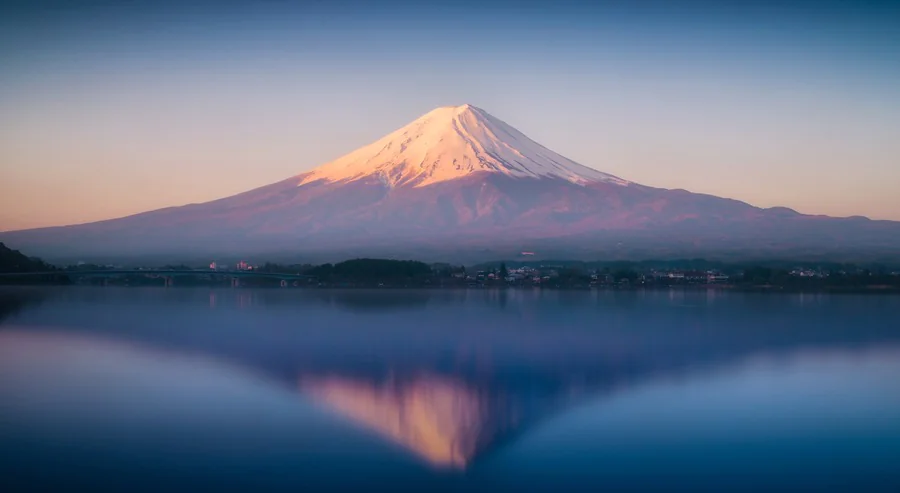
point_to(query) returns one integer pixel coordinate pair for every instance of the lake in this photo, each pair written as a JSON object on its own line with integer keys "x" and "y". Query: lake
{"x": 187, "y": 389}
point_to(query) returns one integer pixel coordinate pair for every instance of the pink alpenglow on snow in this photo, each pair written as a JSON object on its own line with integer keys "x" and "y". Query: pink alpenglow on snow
{"x": 450, "y": 143}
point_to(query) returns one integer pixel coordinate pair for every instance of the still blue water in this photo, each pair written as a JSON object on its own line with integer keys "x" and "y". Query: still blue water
{"x": 183, "y": 389}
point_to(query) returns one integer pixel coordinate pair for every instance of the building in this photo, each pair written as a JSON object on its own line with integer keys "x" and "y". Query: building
{"x": 716, "y": 277}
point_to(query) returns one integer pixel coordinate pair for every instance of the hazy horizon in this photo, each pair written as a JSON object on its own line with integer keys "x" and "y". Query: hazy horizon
{"x": 111, "y": 109}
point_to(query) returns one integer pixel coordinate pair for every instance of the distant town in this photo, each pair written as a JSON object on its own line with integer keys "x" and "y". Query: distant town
{"x": 16, "y": 268}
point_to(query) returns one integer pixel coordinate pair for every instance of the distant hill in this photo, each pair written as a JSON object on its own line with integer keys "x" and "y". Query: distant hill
{"x": 15, "y": 261}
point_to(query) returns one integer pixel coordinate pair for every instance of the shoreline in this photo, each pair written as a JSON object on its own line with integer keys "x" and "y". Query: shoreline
{"x": 773, "y": 289}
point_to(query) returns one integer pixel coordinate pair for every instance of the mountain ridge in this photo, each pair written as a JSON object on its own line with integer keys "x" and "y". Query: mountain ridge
{"x": 460, "y": 180}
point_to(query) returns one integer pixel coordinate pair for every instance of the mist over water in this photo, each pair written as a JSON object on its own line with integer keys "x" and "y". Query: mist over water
{"x": 470, "y": 390}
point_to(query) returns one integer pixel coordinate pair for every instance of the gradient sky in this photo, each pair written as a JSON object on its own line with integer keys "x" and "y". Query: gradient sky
{"x": 113, "y": 108}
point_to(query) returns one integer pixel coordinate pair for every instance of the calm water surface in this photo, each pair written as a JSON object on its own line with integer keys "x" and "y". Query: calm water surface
{"x": 184, "y": 389}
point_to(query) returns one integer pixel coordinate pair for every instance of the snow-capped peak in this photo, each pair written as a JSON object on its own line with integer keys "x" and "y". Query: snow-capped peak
{"x": 449, "y": 143}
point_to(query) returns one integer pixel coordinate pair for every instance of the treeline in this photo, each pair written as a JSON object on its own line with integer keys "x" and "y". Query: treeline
{"x": 372, "y": 270}
{"x": 610, "y": 265}
{"x": 695, "y": 264}
{"x": 848, "y": 277}
{"x": 365, "y": 271}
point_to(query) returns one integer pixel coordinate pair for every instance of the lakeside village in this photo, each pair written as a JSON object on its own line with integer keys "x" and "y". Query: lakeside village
{"x": 379, "y": 273}
{"x": 16, "y": 268}
{"x": 547, "y": 275}
{"x": 619, "y": 274}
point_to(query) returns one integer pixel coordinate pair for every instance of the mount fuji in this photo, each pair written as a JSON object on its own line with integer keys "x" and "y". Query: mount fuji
{"x": 459, "y": 183}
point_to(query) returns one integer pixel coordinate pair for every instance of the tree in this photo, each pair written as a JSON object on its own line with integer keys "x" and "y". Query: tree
{"x": 367, "y": 270}
{"x": 504, "y": 273}
{"x": 625, "y": 275}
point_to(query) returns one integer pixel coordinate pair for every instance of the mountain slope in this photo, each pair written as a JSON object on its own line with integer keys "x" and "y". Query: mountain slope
{"x": 458, "y": 183}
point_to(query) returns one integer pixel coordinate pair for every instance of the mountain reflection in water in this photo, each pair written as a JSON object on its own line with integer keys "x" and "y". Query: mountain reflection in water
{"x": 438, "y": 418}
{"x": 456, "y": 379}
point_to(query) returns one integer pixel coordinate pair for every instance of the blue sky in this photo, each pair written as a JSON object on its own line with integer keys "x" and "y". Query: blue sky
{"x": 146, "y": 105}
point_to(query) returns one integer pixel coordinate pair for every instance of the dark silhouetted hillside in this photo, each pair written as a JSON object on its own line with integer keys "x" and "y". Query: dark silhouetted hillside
{"x": 12, "y": 261}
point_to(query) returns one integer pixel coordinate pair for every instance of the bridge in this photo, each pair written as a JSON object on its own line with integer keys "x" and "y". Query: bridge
{"x": 167, "y": 274}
